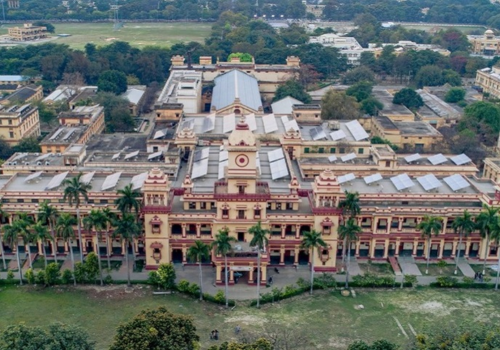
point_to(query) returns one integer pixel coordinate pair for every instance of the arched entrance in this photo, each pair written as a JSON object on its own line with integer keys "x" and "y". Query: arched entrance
{"x": 177, "y": 256}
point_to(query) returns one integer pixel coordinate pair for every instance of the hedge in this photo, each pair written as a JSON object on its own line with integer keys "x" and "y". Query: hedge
{"x": 193, "y": 290}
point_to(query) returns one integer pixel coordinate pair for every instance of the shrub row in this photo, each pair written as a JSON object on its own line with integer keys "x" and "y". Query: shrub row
{"x": 452, "y": 282}
{"x": 193, "y": 290}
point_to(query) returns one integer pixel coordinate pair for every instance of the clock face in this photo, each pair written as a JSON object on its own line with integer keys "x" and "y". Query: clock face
{"x": 241, "y": 160}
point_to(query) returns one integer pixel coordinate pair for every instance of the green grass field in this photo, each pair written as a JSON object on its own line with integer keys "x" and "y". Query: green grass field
{"x": 465, "y": 29}
{"x": 137, "y": 34}
{"x": 328, "y": 319}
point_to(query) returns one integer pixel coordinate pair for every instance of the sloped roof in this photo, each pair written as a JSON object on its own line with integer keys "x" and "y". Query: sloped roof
{"x": 133, "y": 95}
{"x": 236, "y": 84}
{"x": 284, "y": 106}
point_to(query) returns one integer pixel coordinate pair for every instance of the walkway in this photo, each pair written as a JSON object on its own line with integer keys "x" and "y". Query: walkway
{"x": 408, "y": 266}
{"x": 464, "y": 266}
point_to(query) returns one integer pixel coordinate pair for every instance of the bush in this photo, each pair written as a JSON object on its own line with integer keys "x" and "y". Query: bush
{"x": 194, "y": 289}
{"x": 219, "y": 297}
{"x": 468, "y": 280}
{"x": 153, "y": 279}
{"x": 80, "y": 273}
{"x": 40, "y": 277}
{"x": 30, "y": 276}
{"x": 67, "y": 276}
{"x": 410, "y": 280}
{"x": 372, "y": 280}
{"x": 52, "y": 274}
{"x": 108, "y": 279}
{"x": 279, "y": 294}
{"x": 446, "y": 281}
{"x": 10, "y": 276}
{"x": 183, "y": 286}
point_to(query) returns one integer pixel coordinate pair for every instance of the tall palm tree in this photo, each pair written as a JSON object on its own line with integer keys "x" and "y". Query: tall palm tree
{"x": 349, "y": 232}
{"x": 127, "y": 229}
{"x": 428, "y": 226}
{"x": 197, "y": 252}
{"x": 41, "y": 232}
{"x": 222, "y": 245}
{"x": 74, "y": 191}
{"x": 3, "y": 214}
{"x": 311, "y": 241}
{"x": 48, "y": 214}
{"x": 24, "y": 222}
{"x": 110, "y": 217}
{"x": 463, "y": 225}
{"x": 495, "y": 237}
{"x": 259, "y": 240}
{"x": 127, "y": 202}
{"x": 97, "y": 221}
{"x": 350, "y": 208}
{"x": 484, "y": 221}
{"x": 64, "y": 229}
{"x": 12, "y": 232}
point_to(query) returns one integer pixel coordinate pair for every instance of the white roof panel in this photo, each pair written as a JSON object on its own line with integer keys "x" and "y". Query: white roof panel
{"x": 223, "y": 155}
{"x": 429, "y": 182}
{"x": 56, "y": 134}
{"x": 43, "y": 156}
{"x": 270, "y": 124}
{"x": 116, "y": 156}
{"x": 356, "y": 130}
{"x": 456, "y": 182}
{"x": 33, "y": 176}
{"x": 187, "y": 124}
{"x": 348, "y": 157}
{"x": 201, "y": 154}
{"x": 208, "y": 123}
{"x": 257, "y": 163}
{"x": 131, "y": 155}
{"x": 332, "y": 159}
{"x": 200, "y": 168}
{"x": 402, "y": 182}
{"x": 252, "y": 124}
{"x": 155, "y": 155}
{"x": 222, "y": 166}
{"x": 56, "y": 181}
{"x": 437, "y": 159}
{"x": 317, "y": 133}
{"x": 229, "y": 123}
{"x": 413, "y": 157}
{"x": 461, "y": 159}
{"x": 338, "y": 135}
{"x": 275, "y": 155}
{"x": 20, "y": 156}
{"x": 138, "y": 180}
{"x": 111, "y": 181}
{"x": 279, "y": 169}
{"x": 160, "y": 133}
{"x": 68, "y": 134}
{"x": 85, "y": 179}
{"x": 372, "y": 178}
{"x": 346, "y": 178}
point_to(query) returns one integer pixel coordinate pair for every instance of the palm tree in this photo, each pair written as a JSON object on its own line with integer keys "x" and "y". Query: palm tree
{"x": 110, "y": 217}
{"x": 350, "y": 207}
{"x": 222, "y": 245}
{"x": 259, "y": 240}
{"x": 97, "y": 221}
{"x": 311, "y": 241}
{"x": 428, "y": 226}
{"x": 3, "y": 214}
{"x": 349, "y": 232}
{"x": 128, "y": 201}
{"x": 64, "y": 229}
{"x": 48, "y": 214}
{"x": 42, "y": 234}
{"x": 12, "y": 232}
{"x": 127, "y": 229}
{"x": 24, "y": 222}
{"x": 198, "y": 252}
{"x": 73, "y": 192}
{"x": 464, "y": 225}
{"x": 495, "y": 237}
{"x": 484, "y": 221}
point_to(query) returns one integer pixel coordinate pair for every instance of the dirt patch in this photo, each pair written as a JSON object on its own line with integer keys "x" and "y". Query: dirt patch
{"x": 116, "y": 292}
{"x": 338, "y": 343}
{"x": 246, "y": 320}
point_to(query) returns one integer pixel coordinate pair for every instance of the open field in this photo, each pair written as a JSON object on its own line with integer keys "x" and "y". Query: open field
{"x": 137, "y": 34}
{"x": 428, "y": 27}
{"x": 329, "y": 320}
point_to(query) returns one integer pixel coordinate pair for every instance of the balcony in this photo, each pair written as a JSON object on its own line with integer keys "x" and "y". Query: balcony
{"x": 261, "y": 194}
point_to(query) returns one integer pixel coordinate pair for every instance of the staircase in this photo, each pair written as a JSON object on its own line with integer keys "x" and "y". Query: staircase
{"x": 395, "y": 266}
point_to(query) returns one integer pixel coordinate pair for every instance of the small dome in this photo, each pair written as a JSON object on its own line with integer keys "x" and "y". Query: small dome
{"x": 489, "y": 32}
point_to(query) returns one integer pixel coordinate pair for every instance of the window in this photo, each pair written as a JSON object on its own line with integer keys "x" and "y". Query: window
{"x": 20, "y": 200}
{"x": 225, "y": 213}
{"x": 10, "y": 121}
{"x": 321, "y": 150}
{"x": 34, "y": 200}
{"x": 156, "y": 228}
{"x": 11, "y": 134}
{"x": 361, "y": 150}
{"x": 256, "y": 213}
{"x": 342, "y": 150}
{"x": 241, "y": 189}
{"x": 387, "y": 163}
{"x": 332, "y": 150}
{"x": 306, "y": 150}
{"x": 241, "y": 214}
{"x": 192, "y": 205}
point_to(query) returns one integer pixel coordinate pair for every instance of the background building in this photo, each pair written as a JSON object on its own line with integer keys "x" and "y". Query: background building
{"x": 27, "y": 32}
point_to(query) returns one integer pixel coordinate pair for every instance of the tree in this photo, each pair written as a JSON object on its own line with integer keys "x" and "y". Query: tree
{"x": 41, "y": 233}
{"x": 361, "y": 90}
{"x": 48, "y": 214}
{"x": 371, "y": 106}
{"x": 259, "y": 240}
{"x": 349, "y": 232}
{"x": 5, "y": 149}
{"x": 3, "y": 215}
{"x": 451, "y": 77}
{"x": 58, "y": 336}
{"x": 64, "y": 229}
{"x": 96, "y": 221}
{"x": 110, "y": 219}
{"x": 156, "y": 329}
{"x": 127, "y": 201}
{"x": 454, "y": 95}
{"x": 116, "y": 112}
{"x": 377, "y": 345}
{"x": 361, "y": 73}
{"x": 166, "y": 275}
{"x": 244, "y": 57}
{"x": 484, "y": 221}
{"x": 222, "y": 245}
{"x": 112, "y": 81}
{"x": 293, "y": 89}
{"x": 127, "y": 229}
{"x": 350, "y": 206}
{"x": 24, "y": 223}
{"x": 12, "y": 233}
{"x": 28, "y": 144}
{"x": 409, "y": 98}
{"x": 429, "y": 76}
{"x": 50, "y": 27}
{"x": 464, "y": 226}
{"x": 430, "y": 225}
{"x": 198, "y": 252}
{"x": 338, "y": 106}
{"x": 311, "y": 241}
{"x": 495, "y": 237}
{"x": 74, "y": 190}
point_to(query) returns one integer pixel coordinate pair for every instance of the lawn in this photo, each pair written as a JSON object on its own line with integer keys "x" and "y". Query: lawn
{"x": 427, "y": 28}
{"x": 435, "y": 270}
{"x": 329, "y": 320}
{"x": 137, "y": 34}
{"x": 379, "y": 269}
{"x": 479, "y": 268}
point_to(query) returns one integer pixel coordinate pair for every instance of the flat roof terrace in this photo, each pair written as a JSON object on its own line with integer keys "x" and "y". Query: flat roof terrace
{"x": 389, "y": 107}
{"x": 117, "y": 142}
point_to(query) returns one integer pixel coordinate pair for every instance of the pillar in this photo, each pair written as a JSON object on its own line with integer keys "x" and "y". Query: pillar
{"x": 415, "y": 245}
{"x": 198, "y": 230}
{"x": 218, "y": 274}
{"x": 110, "y": 246}
{"x": 398, "y": 243}
{"x": 231, "y": 276}
{"x": 184, "y": 253}
{"x": 283, "y": 229}
{"x": 445, "y": 222}
{"x": 386, "y": 248}
{"x": 373, "y": 243}
{"x": 389, "y": 224}
{"x": 358, "y": 243}
{"x": 441, "y": 249}
{"x": 183, "y": 230}
{"x": 485, "y": 251}
{"x": 467, "y": 247}
{"x": 296, "y": 257}
{"x": 124, "y": 250}
{"x": 40, "y": 248}
{"x": 454, "y": 249}
{"x": 250, "y": 276}
{"x": 400, "y": 223}
{"x": 374, "y": 224}
{"x": 263, "y": 274}
{"x": 66, "y": 247}
{"x": 282, "y": 256}
{"x": 297, "y": 231}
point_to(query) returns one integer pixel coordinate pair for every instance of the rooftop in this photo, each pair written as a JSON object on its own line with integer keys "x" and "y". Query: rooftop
{"x": 62, "y": 93}
{"x": 83, "y": 112}
{"x": 284, "y": 106}
{"x": 416, "y": 128}
{"x": 117, "y": 142}
{"x": 390, "y": 108}
{"x": 22, "y": 94}
{"x": 134, "y": 93}
{"x": 65, "y": 135}
{"x": 234, "y": 85}
{"x": 180, "y": 83}
{"x": 436, "y": 106}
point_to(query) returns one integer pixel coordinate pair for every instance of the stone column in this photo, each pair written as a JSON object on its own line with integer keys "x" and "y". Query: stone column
{"x": 441, "y": 249}
{"x": 371, "y": 253}
{"x": 183, "y": 230}
{"x": 296, "y": 257}
{"x": 396, "y": 251}
{"x": 415, "y": 246}
{"x": 184, "y": 253}
{"x": 467, "y": 248}
{"x": 283, "y": 230}
{"x": 454, "y": 249}
{"x": 386, "y": 248}
{"x": 250, "y": 276}
{"x": 282, "y": 256}
{"x": 297, "y": 231}
{"x": 198, "y": 230}
{"x": 358, "y": 243}
{"x": 263, "y": 274}
{"x": 400, "y": 224}
{"x": 218, "y": 274}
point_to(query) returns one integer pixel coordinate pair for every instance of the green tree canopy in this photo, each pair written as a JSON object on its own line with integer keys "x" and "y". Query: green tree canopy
{"x": 371, "y": 106}
{"x": 361, "y": 73}
{"x": 409, "y": 98}
{"x": 361, "y": 90}
{"x": 116, "y": 112}
{"x": 454, "y": 95}
{"x": 112, "y": 81}
{"x": 430, "y": 75}
{"x": 244, "y": 57}
{"x": 483, "y": 118}
{"x": 338, "y": 106}
{"x": 50, "y": 27}
{"x": 293, "y": 89}
{"x": 156, "y": 329}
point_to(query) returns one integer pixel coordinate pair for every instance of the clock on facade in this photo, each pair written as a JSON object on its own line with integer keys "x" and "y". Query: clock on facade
{"x": 242, "y": 160}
